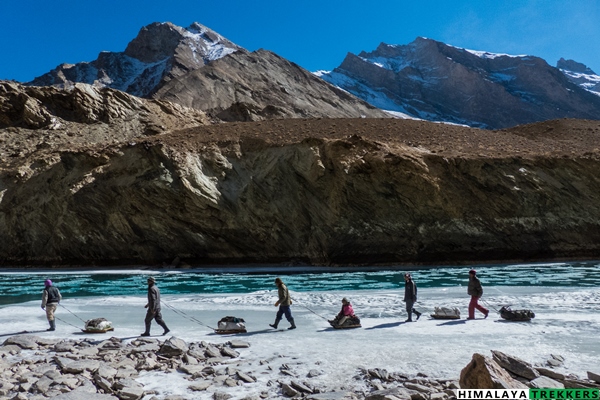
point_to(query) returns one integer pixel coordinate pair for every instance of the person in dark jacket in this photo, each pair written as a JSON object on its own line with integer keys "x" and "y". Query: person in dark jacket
{"x": 153, "y": 307}
{"x": 410, "y": 297}
{"x": 50, "y": 299}
{"x": 284, "y": 302}
{"x": 475, "y": 291}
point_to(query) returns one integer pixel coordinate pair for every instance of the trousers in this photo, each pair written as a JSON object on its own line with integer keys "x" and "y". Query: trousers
{"x": 284, "y": 310}
{"x": 473, "y": 304}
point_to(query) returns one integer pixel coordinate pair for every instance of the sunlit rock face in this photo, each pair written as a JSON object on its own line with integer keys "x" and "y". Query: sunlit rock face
{"x": 94, "y": 176}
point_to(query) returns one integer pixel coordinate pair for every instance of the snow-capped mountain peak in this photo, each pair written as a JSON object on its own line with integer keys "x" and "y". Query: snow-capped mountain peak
{"x": 435, "y": 81}
{"x": 580, "y": 74}
{"x": 160, "y": 52}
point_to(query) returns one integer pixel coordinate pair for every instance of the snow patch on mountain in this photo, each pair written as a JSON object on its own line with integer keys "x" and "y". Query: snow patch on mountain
{"x": 372, "y": 96}
{"x": 491, "y": 56}
{"x": 207, "y": 47}
{"x": 378, "y": 98}
{"x": 590, "y": 82}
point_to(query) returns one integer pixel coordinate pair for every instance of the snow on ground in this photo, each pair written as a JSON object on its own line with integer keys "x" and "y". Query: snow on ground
{"x": 566, "y": 323}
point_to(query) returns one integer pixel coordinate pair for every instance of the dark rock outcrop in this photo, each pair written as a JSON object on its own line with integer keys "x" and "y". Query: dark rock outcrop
{"x": 434, "y": 81}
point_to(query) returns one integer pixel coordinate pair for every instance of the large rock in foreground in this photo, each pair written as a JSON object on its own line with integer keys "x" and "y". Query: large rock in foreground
{"x": 484, "y": 373}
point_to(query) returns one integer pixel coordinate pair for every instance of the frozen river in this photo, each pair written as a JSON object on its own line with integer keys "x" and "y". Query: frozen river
{"x": 567, "y": 319}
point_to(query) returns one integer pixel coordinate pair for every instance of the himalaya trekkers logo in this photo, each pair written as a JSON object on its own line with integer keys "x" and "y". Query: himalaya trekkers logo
{"x": 527, "y": 394}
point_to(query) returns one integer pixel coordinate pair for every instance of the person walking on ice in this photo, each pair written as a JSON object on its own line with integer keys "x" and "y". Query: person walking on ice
{"x": 284, "y": 302}
{"x": 475, "y": 291}
{"x": 50, "y": 299}
{"x": 410, "y": 297}
{"x": 153, "y": 307}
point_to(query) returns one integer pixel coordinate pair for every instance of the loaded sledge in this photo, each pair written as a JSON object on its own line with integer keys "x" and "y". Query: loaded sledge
{"x": 516, "y": 315}
{"x": 98, "y": 325}
{"x": 231, "y": 325}
{"x": 349, "y": 323}
{"x": 446, "y": 313}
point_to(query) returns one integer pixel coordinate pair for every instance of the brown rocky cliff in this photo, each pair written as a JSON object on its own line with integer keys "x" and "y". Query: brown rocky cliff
{"x": 338, "y": 191}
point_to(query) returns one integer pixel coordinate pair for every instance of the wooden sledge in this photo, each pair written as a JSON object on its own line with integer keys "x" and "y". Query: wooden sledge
{"x": 436, "y": 316}
{"x": 346, "y": 326}
{"x": 97, "y": 330}
{"x": 226, "y": 331}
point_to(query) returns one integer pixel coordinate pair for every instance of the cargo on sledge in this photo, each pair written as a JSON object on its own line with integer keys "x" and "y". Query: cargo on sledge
{"x": 349, "y": 323}
{"x": 98, "y": 325}
{"x": 231, "y": 325}
{"x": 446, "y": 313}
{"x": 516, "y": 315}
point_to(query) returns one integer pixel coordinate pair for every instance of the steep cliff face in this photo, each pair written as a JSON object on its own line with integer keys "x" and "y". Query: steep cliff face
{"x": 307, "y": 191}
{"x": 434, "y": 81}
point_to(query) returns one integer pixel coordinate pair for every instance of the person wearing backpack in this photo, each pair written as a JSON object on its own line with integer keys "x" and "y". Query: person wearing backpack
{"x": 284, "y": 302}
{"x": 50, "y": 299}
{"x": 475, "y": 291}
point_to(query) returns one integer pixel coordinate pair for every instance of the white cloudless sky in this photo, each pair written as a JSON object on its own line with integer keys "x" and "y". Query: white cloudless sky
{"x": 36, "y": 36}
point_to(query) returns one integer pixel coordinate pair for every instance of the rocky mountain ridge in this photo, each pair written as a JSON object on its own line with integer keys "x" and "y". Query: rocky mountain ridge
{"x": 580, "y": 74}
{"x": 106, "y": 188}
{"x": 160, "y": 52}
{"x": 196, "y": 67}
{"x": 431, "y": 80}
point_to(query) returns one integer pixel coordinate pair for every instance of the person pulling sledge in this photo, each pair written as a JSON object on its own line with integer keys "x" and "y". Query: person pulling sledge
{"x": 284, "y": 302}
{"x": 475, "y": 291}
{"x": 346, "y": 313}
{"x": 410, "y": 297}
{"x": 153, "y": 307}
{"x": 50, "y": 299}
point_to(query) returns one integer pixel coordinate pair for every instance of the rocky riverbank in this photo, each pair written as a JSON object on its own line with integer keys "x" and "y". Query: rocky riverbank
{"x": 32, "y": 367}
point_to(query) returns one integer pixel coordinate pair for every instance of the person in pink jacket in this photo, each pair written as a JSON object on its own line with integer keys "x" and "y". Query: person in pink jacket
{"x": 346, "y": 312}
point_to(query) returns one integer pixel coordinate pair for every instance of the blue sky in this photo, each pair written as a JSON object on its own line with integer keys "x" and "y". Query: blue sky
{"x": 36, "y": 35}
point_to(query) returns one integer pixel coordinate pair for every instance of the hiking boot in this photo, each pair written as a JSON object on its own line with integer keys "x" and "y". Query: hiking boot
{"x": 486, "y": 314}
{"x": 409, "y": 320}
{"x": 275, "y": 324}
{"x": 166, "y": 331}
{"x": 418, "y": 315}
{"x": 52, "y": 326}
{"x": 145, "y": 334}
{"x": 293, "y": 325}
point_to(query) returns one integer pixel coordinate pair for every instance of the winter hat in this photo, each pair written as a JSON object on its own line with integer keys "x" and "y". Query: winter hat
{"x": 345, "y": 300}
{"x": 48, "y": 282}
{"x": 473, "y": 272}
{"x": 407, "y": 275}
